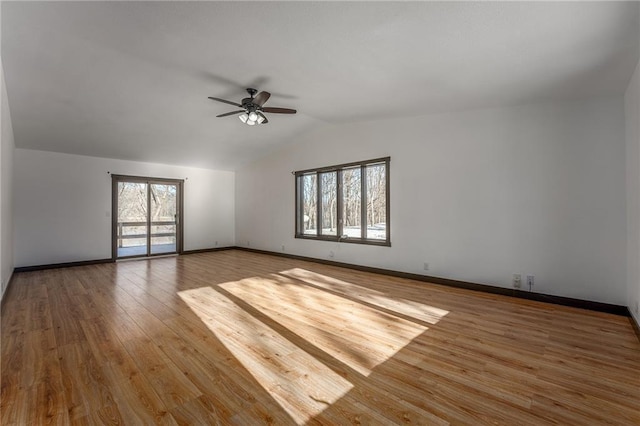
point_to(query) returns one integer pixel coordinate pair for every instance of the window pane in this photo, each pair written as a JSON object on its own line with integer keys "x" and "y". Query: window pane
{"x": 309, "y": 203}
{"x": 329, "y": 191}
{"x": 351, "y": 203}
{"x": 164, "y": 207}
{"x": 132, "y": 219}
{"x": 376, "y": 202}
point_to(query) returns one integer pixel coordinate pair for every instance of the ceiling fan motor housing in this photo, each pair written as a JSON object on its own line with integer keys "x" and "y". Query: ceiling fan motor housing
{"x": 247, "y": 103}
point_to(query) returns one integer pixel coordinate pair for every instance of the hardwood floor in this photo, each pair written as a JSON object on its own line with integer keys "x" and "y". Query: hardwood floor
{"x": 242, "y": 338}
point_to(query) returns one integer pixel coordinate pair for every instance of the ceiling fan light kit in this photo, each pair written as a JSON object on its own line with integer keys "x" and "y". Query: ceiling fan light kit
{"x": 252, "y": 118}
{"x": 253, "y": 110}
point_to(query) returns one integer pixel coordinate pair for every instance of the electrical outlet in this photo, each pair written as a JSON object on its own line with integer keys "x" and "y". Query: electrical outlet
{"x": 426, "y": 266}
{"x": 517, "y": 280}
{"x": 530, "y": 281}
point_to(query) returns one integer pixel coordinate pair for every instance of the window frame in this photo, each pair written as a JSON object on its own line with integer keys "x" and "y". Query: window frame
{"x": 299, "y": 232}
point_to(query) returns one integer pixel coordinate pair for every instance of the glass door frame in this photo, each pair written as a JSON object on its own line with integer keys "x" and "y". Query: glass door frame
{"x": 115, "y": 179}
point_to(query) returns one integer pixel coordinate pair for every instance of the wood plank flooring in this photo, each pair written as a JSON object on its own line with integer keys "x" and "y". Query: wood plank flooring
{"x": 241, "y": 338}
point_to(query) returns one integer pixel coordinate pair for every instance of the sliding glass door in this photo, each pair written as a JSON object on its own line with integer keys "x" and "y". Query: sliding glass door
{"x": 146, "y": 216}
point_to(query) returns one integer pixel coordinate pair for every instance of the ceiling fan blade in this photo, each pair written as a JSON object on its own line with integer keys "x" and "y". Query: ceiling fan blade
{"x": 225, "y": 101}
{"x": 230, "y": 113}
{"x": 261, "y": 98}
{"x": 279, "y": 110}
{"x": 263, "y": 116}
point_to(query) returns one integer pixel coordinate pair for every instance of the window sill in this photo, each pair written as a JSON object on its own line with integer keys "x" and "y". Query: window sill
{"x": 382, "y": 243}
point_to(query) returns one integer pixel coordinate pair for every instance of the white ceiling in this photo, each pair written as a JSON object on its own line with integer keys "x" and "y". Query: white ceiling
{"x": 130, "y": 80}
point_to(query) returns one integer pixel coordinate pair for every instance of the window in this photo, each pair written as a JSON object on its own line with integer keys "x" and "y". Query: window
{"x": 347, "y": 203}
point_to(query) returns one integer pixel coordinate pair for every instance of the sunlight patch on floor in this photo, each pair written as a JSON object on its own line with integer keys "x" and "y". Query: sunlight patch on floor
{"x": 301, "y": 384}
{"x": 419, "y": 311}
{"x": 360, "y": 336}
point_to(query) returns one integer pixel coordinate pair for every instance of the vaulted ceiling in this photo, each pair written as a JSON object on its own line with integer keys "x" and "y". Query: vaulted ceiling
{"x": 130, "y": 80}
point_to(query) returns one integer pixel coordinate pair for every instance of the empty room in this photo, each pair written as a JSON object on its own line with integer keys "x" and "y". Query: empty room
{"x": 331, "y": 213}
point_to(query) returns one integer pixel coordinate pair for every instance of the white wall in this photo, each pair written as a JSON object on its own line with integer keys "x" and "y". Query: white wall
{"x": 632, "y": 126}
{"x": 7, "y": 148}
{"x": 479, "y": 195}
{"x": 63, "y": 205}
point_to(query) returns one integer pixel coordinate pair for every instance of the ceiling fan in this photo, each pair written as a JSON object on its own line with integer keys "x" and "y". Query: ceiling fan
{"x": 252, "y": 111}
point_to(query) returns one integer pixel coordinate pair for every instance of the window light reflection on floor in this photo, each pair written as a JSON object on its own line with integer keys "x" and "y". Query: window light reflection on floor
{"x": 357, "y": 326}
{"x": 419, "y": 311}
{"x": 339, "y": 326}
{"x": 302, "y": 385}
